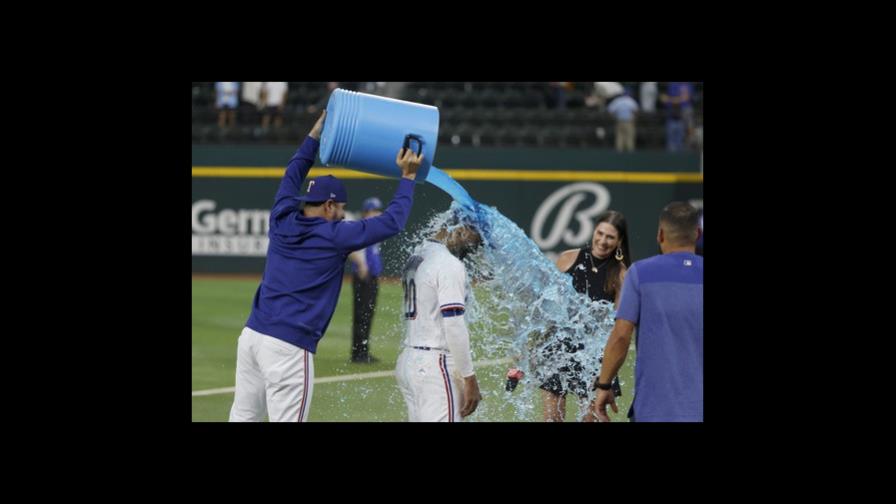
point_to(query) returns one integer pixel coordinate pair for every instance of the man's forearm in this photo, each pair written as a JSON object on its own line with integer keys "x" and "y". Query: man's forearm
{"x": 298, "y": 168}
{"x": 458, "y": 339}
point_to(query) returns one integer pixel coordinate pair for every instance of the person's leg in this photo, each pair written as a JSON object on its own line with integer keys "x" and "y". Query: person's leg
{"x": 438, "y": 395}
{"x": 670, "y": 135}
{"x": 554, "y": 406}
{"x": 289, "y": 379}
{"x": 266, "y": 118}
{"x": 221, "y": 117}
{"x": 590, "y": 409}
{"x": 620, "y": 136}
{"x": 679, "y": 135}
{"x": 365, "y": 307}
{"x": 370, "y": 291}
{"x": 687, "y": 116}
{"x": 404, "y": 375}
{"x": 675, "y": 132}
{"x": 357, "y": 318}
{"x": 629, "y": 136}
{"x": 248, "y": 400}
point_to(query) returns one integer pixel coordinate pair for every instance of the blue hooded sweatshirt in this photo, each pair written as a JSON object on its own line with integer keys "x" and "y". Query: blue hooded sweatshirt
{"x": 306, "y": 257}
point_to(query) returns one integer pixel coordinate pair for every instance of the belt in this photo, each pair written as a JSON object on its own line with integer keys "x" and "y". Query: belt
{"x": 430, "y": 348}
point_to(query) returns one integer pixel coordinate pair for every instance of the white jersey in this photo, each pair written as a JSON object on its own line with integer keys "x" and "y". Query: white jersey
{"x": 434, "y": 284}
{"x": 436, "y": 358}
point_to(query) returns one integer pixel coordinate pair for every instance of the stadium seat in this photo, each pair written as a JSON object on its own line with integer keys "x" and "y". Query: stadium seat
{"x": 512, "y": 99}
{"x": 488, "y": 98}
{"x": 486, "y": 136}
{"x": 550, "y": 137}
{"x": 448, "y": 115}
{"x": 469, "y": 116}
{"x": 506, "y": 136}
{"x": 526, "y": 136}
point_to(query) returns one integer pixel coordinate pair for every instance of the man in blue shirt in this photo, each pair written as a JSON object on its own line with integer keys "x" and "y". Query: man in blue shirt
{"x": 663, "y": 297}
{"x": 679, "y": 114}
{"x": 625, "y": 110}
{"x": 366, "y": 269}
{"x": 302, "y": 278}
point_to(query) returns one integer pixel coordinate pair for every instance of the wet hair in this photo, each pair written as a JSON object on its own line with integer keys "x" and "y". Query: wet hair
{"x": 456, "y": 220}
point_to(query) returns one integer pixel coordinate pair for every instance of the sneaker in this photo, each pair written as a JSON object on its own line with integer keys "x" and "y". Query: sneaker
{"x": 364, "y": 359}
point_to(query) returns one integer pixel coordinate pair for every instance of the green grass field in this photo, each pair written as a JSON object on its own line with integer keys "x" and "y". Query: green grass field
{"x": 221, "y": 307}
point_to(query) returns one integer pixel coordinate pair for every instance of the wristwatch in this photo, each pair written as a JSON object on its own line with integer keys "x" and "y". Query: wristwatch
{"x": 603, "y": 386}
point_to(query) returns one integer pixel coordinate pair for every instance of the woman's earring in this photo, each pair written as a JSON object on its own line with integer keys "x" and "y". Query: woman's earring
{"x": 619, "y": 255}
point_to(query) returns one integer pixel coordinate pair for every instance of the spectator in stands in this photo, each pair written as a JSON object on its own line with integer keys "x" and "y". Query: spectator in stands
{"x": 226, "y": 101}
{"x": 251, "y": 102}
{"x": 604, "y": 92}
{"x": 679, "y": 114}
{"x": 624, "y": 108}
{"x": 559, "y": 95}
{"x": 374, "y": 88}
{"x": 322, "y": 103}
{"x": 387, "y": 89}
{"x": 273, "y": 100}
{"x": 648, "y": 94}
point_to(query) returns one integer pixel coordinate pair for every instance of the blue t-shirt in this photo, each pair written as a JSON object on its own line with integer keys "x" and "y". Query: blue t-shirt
{"x": 226, "y": 94}
{"x": 677, "y": 89}
{"x": 663, "y": 296}
{"x": 623, "y": 108}
{"x": 374, "y": 263}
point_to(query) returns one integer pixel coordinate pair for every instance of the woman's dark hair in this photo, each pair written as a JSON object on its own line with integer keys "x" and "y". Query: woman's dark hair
{"x": 617, "y": 220}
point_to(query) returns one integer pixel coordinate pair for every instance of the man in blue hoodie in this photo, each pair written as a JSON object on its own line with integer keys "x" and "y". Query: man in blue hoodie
{"x": 301, "y": 283}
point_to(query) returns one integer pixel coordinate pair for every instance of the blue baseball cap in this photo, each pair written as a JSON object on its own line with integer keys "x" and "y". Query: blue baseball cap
{"x": 325, "y": 188}
{"x": 372, "y": 204}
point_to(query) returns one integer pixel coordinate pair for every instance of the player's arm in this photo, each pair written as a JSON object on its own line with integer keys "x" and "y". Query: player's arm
{"x": 627, "y": 317}
{"x": 616, "y": 350}
{"x": 565, "y": 260}
{"x": 451, "y": 294}
{"x": 360, "y": 261}
{"x": 297, "y": 170}
{"x": 354, "y": 235}
{"x": 614, "y": 356}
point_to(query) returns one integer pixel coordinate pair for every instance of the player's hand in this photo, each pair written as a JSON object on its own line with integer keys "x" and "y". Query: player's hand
{"x": 605, "y": 397}
{"x": 318, "y": 126}
{"x": 409, "y": 163}
{"x": 514, "y": 376}
{"x": 471, "y": 396}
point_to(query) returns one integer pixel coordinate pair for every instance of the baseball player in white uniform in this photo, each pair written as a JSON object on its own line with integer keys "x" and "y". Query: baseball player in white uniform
{"x": 435, "y": 368}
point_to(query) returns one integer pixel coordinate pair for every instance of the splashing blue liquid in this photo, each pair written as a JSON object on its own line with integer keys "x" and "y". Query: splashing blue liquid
{"x": 444, "y": 182}
{"x": 523, "y": 308}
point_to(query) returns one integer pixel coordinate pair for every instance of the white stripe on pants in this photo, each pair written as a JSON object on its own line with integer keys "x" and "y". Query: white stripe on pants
{"x": 272, "y": 376}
